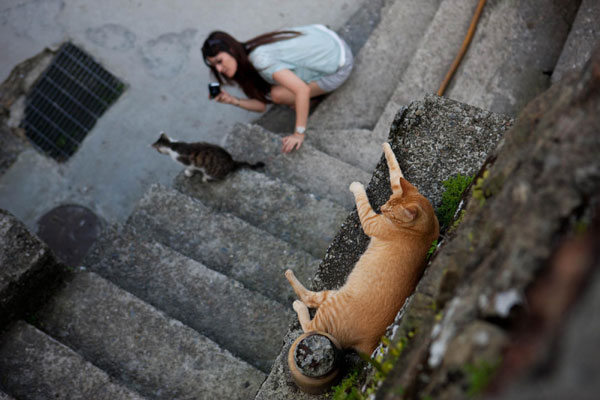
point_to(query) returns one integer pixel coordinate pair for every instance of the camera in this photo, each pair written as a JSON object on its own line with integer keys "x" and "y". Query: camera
{"x": 214, "y": 88}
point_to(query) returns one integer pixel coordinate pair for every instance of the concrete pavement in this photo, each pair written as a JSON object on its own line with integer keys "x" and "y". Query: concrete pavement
{"x": 154, "y": 47}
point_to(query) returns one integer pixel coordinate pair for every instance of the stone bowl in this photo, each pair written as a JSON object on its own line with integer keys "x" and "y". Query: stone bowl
{"x": 314, "y": 361}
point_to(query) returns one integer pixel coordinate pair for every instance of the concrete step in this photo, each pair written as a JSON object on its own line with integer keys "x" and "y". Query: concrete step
{"x": 357, "y": 147}
{"x": 28, "y": 270}
{"x": 431, "y": 61}
{"x": 244, "y": 322}
{"x": 35, "y": 366}
{"x": 272, "y": 205}
{"x": 583, "y": 38}
{"x": 222, "y": 242}
{"x": 378, "y": 67}
{"x": 310, "y": 169}
{"x": 513, "y": 54}
{"x": 4, "y": 396}
{"x": 140, "y": 346}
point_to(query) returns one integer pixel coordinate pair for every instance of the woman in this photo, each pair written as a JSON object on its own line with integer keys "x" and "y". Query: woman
{"x": 284, "y": 67}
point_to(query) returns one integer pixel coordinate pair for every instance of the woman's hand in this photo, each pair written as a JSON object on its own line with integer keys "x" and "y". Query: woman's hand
{"x": 226, "y": 98}
{"x": 292, "y": 142}
{"x": 246, "y": 104}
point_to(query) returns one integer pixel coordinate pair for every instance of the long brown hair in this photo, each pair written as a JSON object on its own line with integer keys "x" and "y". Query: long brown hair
{"x": 246, "y": 76}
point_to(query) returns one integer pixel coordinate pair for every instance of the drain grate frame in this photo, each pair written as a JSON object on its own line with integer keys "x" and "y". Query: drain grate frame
{"x": 67, "y": 100}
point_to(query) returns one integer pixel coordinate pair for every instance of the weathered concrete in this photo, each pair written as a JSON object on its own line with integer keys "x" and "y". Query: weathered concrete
{"x": 35, "y": 366}
{"x": 138, "y": 345}
{"x": 578, "y": 355}
{"x": 357, "y": 147}
{"x": 10, "y": 148}
{"x": 221, "y": 242}
{"x": 438, "y": 138}
{"x": 199, "y": 297}
{"x": 518, "y": 259}
{"x": 273, "y": 205}
{"x": 362, "y": 98}
{"x": 28, "y": 270}
{"x": 4, "y": 396}
{"x": 430, "y": 63}
{"x": 583, "y": 38}
{"x": 513, "y": 54}
{"x": 311, "y": 170}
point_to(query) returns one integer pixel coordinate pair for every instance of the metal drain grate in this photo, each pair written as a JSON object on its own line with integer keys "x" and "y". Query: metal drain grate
{"x": 65, "y": 103}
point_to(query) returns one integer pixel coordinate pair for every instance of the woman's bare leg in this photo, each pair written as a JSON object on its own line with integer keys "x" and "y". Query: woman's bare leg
{"x": 282, "y": 95}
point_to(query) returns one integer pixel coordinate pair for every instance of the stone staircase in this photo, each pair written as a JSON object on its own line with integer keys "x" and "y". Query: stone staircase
{"x": 187, "y": 299}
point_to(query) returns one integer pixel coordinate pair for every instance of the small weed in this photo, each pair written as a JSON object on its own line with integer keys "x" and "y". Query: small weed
{"x": 432, "y": 248}
{"x": 479, "y": 192}
{"x": 458, "y": 221}
{"x": 479, "y": 376}
{"x": 348, "y": 388}
{"x": 453, "y": 190}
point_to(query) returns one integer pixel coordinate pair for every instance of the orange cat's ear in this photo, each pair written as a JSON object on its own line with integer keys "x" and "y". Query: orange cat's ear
{"x": 408, "y": 214}
{"x": 406, "y": 185}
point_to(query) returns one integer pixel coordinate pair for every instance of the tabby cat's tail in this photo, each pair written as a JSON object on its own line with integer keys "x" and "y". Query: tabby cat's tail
{"x": 244, "y": 164}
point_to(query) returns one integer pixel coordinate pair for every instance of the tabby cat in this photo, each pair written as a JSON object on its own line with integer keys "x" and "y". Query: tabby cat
{"x": 358, "y": 313}
{"x": 213, "y": 161}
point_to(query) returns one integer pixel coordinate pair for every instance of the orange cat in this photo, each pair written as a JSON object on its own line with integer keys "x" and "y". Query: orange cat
{"x": 358, "y": 314}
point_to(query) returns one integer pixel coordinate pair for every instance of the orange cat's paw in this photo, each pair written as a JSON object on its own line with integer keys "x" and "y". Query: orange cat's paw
{"x": 356, "y": 187}
{"x": 289, "y": 274}
{"x": 298, "y": 306}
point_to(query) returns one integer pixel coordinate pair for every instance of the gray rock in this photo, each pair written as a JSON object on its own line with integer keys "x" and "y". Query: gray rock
{"x": 35, "y": 366}
{"x": 268, "y": 203}
{"x": 133, "y": 342}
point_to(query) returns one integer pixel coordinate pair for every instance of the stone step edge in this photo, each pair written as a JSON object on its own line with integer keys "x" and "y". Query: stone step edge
{"x": 283, "y": 210}
{"x": 112, "y": 255}
{"x": 142, "y": 329}
{"x": 241, "y": 262}
{"x": 64, "y": 371}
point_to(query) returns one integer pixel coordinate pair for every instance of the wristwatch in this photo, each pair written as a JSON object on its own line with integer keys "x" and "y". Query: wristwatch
{"x": 301, "y": 129}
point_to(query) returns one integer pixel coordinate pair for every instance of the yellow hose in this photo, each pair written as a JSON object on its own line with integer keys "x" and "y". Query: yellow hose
{"x": 463, "y": 48}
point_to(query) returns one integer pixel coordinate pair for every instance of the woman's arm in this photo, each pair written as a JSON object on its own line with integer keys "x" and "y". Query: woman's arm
{"x": 301, "y": 101}
{"x": 246, "y": 104}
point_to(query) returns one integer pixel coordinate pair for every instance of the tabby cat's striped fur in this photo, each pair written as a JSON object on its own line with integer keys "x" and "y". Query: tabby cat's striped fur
{"x": 213, "y": 161}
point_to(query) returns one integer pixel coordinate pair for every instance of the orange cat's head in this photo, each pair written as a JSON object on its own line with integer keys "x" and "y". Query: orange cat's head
{"x": 409, "y": 208}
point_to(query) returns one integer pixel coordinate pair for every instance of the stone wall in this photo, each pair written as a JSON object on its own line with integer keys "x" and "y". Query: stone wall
{"x": 492, "y": 307}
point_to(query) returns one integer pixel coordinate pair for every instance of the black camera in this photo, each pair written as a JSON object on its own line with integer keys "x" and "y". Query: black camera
{"x": 214, "y": 88}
